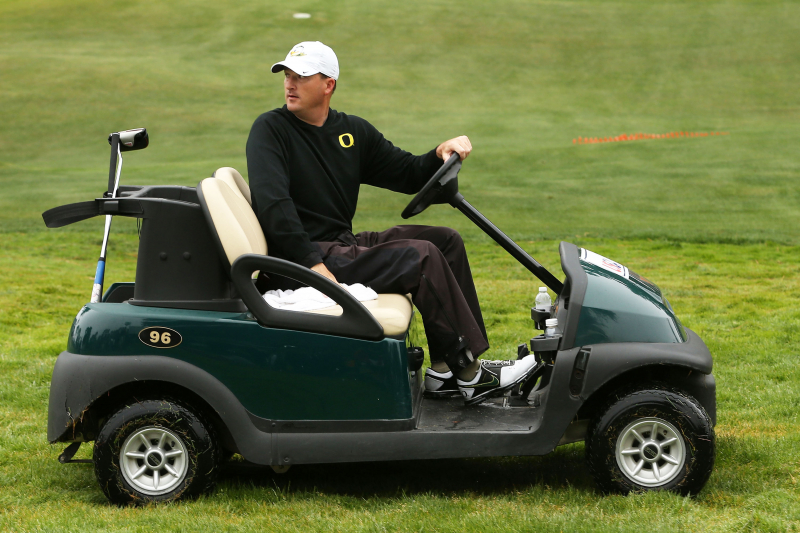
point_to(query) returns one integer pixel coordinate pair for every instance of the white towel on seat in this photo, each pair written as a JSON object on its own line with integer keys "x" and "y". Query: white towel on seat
{"x": 310, "y": 299}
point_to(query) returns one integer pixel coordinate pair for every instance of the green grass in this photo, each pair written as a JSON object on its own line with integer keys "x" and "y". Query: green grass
{"x": 739, "y": 298}
{"x": 712, "y": 220}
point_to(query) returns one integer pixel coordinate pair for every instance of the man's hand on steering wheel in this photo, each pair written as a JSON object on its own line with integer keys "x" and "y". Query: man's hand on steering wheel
{"x": 459, "y": 145}
{"x": 441, "y": 188}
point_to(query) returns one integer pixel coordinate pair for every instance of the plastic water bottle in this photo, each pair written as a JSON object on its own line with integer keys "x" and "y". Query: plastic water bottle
{"x": 550, "y": 327}
{"x": 543, "y": 301}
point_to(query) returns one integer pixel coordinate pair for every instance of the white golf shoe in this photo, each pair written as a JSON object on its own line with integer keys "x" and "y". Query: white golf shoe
{"x": 495, "y": 378}
{"x": 440, "y": 384}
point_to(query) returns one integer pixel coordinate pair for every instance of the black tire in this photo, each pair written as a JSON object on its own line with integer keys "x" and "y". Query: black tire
{"x": 180, "y": 441}
{"x": 682, "y": 465}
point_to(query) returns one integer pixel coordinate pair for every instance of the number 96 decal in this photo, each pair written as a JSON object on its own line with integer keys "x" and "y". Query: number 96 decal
{"x": 160, "y": 337}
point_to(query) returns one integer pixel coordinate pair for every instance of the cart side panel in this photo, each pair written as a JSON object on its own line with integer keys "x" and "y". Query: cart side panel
{"x": 276, "y": 374}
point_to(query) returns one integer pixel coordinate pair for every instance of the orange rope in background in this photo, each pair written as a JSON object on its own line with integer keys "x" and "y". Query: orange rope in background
{"x": 645, "y": 136}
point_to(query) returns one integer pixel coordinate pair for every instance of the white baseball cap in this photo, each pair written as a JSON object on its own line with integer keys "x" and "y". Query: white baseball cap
{"x": 308, "y": 58}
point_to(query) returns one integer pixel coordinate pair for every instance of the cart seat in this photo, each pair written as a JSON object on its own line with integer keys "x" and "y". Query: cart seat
{"x": 235, "y": 181}
{"x": 240, "y": 233}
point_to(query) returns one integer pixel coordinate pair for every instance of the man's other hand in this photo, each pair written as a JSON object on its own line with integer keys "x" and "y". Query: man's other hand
{"x": 460, "y": 145}
{"x": 320, "y": 268}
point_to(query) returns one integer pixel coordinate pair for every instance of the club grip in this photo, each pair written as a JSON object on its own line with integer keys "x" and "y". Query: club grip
{"x": 113, "y": 140}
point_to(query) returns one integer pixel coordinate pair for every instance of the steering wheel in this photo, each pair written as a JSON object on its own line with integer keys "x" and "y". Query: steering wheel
{"x": 441, "y": 188}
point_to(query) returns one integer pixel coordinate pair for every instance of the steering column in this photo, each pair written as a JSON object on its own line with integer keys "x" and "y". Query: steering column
{"x": 443, "y": 188}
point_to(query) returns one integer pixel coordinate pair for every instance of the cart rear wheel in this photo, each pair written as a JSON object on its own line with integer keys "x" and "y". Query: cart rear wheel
{"x": 652, "y": 439}
{"x": 155, "y": 450}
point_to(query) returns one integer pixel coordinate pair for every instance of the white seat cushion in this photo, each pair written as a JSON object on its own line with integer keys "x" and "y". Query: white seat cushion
{"x": 392, "y": 311}
{"x": 240, "y": 233}
{"x": 237, "y": 226}
{"x": 235, "y": 181}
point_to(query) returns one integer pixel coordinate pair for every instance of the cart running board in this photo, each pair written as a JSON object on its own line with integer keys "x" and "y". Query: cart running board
{"x": 68, "y": 454}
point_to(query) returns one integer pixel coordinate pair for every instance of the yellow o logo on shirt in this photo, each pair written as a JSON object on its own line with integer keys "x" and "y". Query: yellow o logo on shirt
{"x": 346, "y": 140}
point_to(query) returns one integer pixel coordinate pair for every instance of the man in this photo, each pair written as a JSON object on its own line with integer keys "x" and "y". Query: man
{"x": 306, "y": 163}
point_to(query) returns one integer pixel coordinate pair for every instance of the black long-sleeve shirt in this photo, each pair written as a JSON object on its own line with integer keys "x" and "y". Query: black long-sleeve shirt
{"x": 304, "y": 179}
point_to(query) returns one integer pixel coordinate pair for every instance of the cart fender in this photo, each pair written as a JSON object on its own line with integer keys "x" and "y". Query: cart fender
{"x": 79, "y": 380}
{"x": 607, "y": 361}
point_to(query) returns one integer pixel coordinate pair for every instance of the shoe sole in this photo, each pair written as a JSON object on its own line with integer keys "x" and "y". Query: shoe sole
{"x": 499, "y": 390}
{"x": 435, "y": 394}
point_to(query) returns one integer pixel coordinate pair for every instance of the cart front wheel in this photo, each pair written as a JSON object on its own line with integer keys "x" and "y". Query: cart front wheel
{"x": 652, "y": 439}
{"x": 155, "y": 450}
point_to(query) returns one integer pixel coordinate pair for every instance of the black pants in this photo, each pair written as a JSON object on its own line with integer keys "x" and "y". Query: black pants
{"x": 431, "y": 264}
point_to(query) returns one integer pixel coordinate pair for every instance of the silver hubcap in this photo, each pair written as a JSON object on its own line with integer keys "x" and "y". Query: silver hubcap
{"x": 651, "y": 452}
{"x": 153, "y": 460}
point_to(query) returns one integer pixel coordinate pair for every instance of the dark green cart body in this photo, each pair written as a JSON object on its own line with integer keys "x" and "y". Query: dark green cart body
{"x": 299, "y": 391}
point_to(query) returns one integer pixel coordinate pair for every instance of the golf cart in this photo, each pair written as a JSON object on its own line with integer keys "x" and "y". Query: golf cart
{"x": 171, "y": 374}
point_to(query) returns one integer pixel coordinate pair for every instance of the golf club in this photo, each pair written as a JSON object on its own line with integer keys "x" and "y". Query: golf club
{"x": 123, "y": 141}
